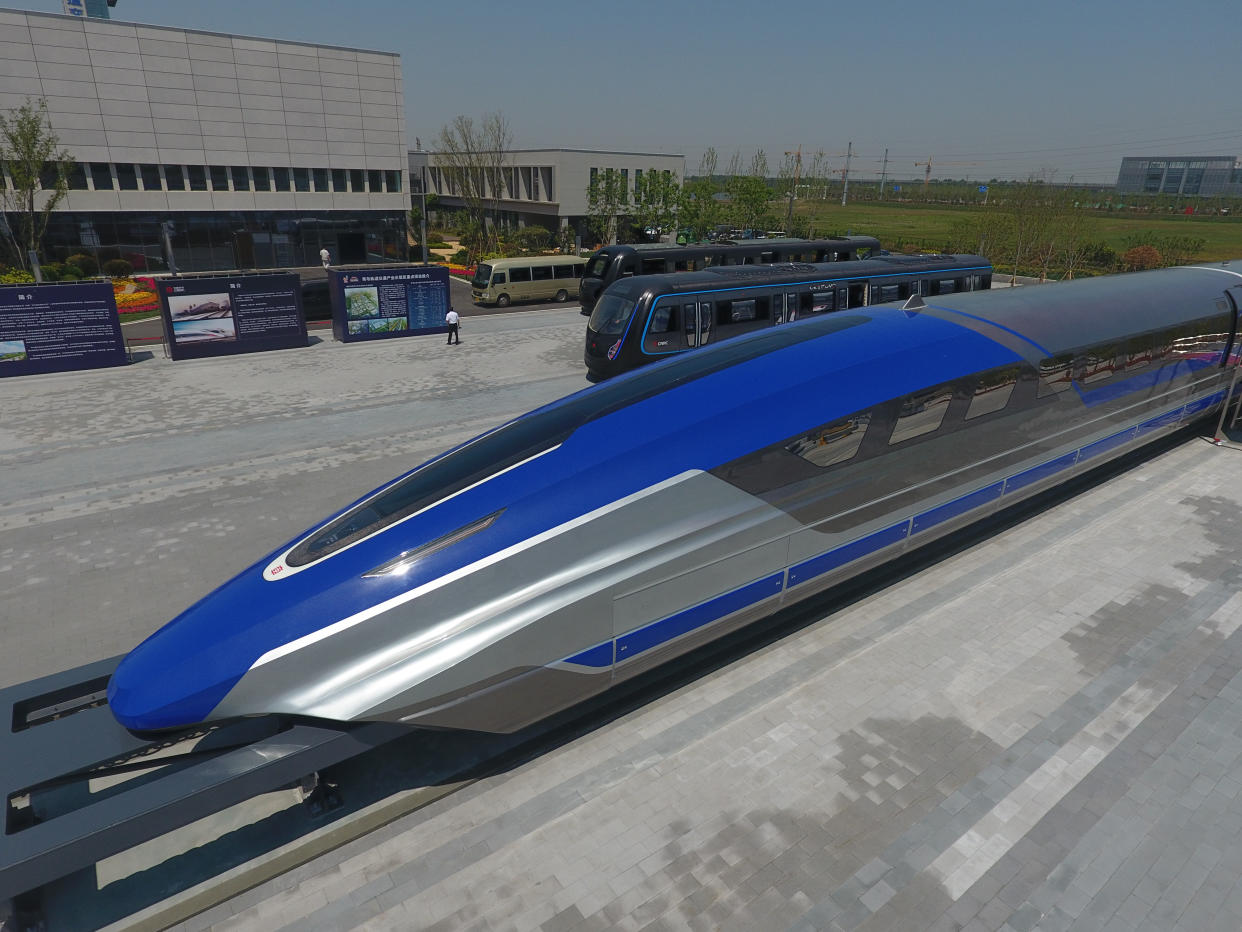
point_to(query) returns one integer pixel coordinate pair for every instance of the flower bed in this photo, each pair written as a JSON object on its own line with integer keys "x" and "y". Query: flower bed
{"x": 135, "y": 295}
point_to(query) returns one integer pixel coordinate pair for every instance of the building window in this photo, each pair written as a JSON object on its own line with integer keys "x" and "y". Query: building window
{"x": 174, "y": 177}
{"x": 340, "y": 181}
{"x": 375, "y": 180}
{"x": 101, "y": 175}
{"x": 197, "y": 176}
{"x": 77, "y": 177}
{"x": 126, "y": 176}
{"x": 262, "y": 181}
{"x": 393, "y": 181}
{"x": 281, "y": 179}
{"x": 356, "y": 182}
{"x": 150, "y": 177}
{"x": 241, "y": 177}
{"x": 301, "y": 179}
{"x": 219, "y": 178}
{"x": 320, "y": 177}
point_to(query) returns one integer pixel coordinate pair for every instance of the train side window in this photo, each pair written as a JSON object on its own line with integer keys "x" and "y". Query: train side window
{"x": 921, "y": 413}
{"x": 653, "y": 266}
{"x": 778, "y": 308}
{"x": 832, "y": 443}
{"x": 823, "y": 302}
{"x": 805, "y": 303}
{"x": 1056, "y": 374}
{"x": 689, "y": 318}
{"x": 856, "y": 296}
{"x": 883, "y": 294}
{"x": 993, "y": 391}
{"x": 1099, "y": 364}
{"x": 663, "y": 318}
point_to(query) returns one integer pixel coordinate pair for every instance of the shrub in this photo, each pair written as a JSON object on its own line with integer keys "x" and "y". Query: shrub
{"x": 10, "y": 276}
{"x": 531, "y": 239}
{"x": 52, "y": 271}
{"x": 72, "y": 273}
{"x": 461, "y": 257}
{"x": 85, "y": 262}
{"x": 118, "y": 268}
{"x": 1138, "y": 258}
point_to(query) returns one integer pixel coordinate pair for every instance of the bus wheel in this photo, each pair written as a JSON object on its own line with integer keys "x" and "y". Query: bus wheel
{"x": 562, "y": 296}
{"x": 502, "y": 300}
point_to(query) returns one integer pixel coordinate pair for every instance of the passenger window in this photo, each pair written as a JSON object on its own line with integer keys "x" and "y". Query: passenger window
{"x": 653, "y": 266}
{"x": 921, "y": 413}
{"x": 689, "y": 317}
{"x": 519, "y": 275}
{"x": 542, "y": 273}
{"x": 662, "y": 319}
{"x": 1098, "y": 364}
{"x": 564, "y": 271}
{"x": 993, "y": 391}
{"x": 498, "y": 278}
{"x": 822, "y": 301}
{"x": 742, "y": 311}
{"x": 834, "y": 442}
{"x": 1055, "y": 375}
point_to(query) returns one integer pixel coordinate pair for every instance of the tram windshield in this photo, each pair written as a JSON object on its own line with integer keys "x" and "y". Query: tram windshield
{"x": 611, "y": 314}
{"x": 597, "y": 266}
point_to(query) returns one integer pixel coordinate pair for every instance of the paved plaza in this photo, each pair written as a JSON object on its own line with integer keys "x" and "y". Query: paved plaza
{"x": 1041, "y": 731}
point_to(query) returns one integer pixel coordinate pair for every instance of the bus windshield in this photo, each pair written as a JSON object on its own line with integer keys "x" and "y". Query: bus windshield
{"x": 482, "y": 275}
{"x": 611, "y": 314}
{"x": 597, "y": 266}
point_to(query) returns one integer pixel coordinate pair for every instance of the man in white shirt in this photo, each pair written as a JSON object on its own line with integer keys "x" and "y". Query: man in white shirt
{"x": 452, "y": 320}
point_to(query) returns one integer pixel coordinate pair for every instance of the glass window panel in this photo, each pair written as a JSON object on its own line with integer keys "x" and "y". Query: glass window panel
{"x": 301, "y": 179}
{"x": 993, "y": 391}
{"x": 219, "y": 178}
{"x": 197, "y": 175}
{"x": 101, "y": 175}
{"x": 834, "y": 442}
{"x": 241, "y": 177}
{"x": 174, "y": 177}
{"x": 262, "y": 180}
{"x": 375, "y": 180}
{"x": 356, "y": 181}
{"x": 150, "y": 177}
{"x": 126, "y": 176}
{"x": 340, "y": 181}
{"x": 921, "y": 413}
{"x": 320, "y": 176}
{"x": 280, "y": 179}
{"x": 77, "y": 177}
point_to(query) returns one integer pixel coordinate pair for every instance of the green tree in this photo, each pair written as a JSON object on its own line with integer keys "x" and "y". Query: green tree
{"x": 474, "y": 161}
{"x": 607, "y": 199}
{"x": 31, "y": 156}
{"x": 657, "y": 201}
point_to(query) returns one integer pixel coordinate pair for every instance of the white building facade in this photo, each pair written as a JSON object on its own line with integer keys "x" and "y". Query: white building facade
{"x": 256, "y": 152}
{"x": 547, "y": 187}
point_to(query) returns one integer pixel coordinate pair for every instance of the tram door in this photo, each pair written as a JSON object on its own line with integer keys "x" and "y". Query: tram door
{"x": 698, "y": 323}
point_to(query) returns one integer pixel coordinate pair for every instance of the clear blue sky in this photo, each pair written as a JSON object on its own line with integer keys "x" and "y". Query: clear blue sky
{"x": 1056, "y": 89}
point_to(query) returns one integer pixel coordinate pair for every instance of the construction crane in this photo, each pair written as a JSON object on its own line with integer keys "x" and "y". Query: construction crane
{"x": 928, "y": 163}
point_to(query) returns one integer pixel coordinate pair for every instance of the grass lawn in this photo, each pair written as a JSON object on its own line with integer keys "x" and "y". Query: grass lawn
{"x": 928, "y": 227}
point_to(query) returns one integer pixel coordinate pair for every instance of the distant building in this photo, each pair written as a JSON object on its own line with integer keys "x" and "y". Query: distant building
{"x": 1202, "y": 175}
{"x": 545, "y": 187}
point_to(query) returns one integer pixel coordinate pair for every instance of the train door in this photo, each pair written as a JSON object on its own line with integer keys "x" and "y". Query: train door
{"x": 697, "y": 319}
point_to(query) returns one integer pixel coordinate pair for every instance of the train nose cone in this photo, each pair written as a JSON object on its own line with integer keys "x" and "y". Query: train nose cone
{"x": 150, "y": 692}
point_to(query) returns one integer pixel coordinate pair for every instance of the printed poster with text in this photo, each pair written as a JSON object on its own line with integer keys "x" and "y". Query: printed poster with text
{"x": 388, "y": 302}
{"x": 235, "y": 314}
{"x": 59, "y": 328}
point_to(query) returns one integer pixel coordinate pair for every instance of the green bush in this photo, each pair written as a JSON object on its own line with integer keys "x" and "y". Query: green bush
{"x": 531, "y": 239}
{"x": 71, "y": 273}
{"x": 11, "y": 276}
{"x": 461, "y": 257}
{"x": 84, "y": 261}
{"x": 52, "y": 271}
{"x": 118, "y": 268}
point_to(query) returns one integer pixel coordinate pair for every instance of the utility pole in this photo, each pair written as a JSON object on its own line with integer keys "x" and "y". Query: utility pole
{"x": 883, "y": 174}
{"x": 793, "y": 187}
{"x": 845, "y": 175}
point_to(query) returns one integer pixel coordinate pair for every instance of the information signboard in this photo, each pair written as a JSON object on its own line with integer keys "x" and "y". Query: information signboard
{"x": 387, "y": 302}
{"x": 59, "y": 328}
{"x": 221, "y": 316}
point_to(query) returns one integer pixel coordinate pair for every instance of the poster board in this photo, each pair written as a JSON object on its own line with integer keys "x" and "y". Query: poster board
{"x": 388, "y": 302}
{"x": 59, "y": 328}
{"x": 229, "y": 314}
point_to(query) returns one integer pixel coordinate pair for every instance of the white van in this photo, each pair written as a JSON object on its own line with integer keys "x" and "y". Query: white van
{"x": 534, "y": 278}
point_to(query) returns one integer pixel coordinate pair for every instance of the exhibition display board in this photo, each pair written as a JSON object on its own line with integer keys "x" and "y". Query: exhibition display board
{"x": 59, "y": 328}
{"x": 221, "y": 316}
{"x": 388, "y": 302}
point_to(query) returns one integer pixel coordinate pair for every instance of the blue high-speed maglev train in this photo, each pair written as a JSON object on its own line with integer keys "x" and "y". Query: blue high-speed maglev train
{"x": 610, "y": 531}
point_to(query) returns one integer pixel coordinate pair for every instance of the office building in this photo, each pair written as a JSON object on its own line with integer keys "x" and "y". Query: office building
{"x": 1203, "y": 175}
{"x": 257, "y": 152}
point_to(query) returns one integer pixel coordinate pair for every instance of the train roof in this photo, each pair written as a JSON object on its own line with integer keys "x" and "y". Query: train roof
{"x": 739, "y": 276}
{"x": 1058, "y": 317}
{"x": 852, "y": 240}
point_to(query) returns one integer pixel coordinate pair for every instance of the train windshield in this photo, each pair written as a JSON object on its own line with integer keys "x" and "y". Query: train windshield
{"x": 597, "y": 266}
{"x": 612, "y": 312}
{"x": 482, "y": 275}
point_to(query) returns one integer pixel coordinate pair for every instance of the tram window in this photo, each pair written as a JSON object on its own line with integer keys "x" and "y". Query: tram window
{"x": 804, "y": 303}
{"x": 767, "y": 257}
{"x": 691, "y": 324}
{"x": 742, "y": 311}
{"x": 834, "y": 442}
{"x": 1055, "y": 375}
{"x": 663, "y": 318}
{"x": 921, "y": 413}
{"x": 653, "y": 266}
{"x": 1099, "y": 364}
{"x": 822, "y": 301}
{"x": 881, "y": 294}
{"x": 1147, "y": 350}
{"x": 993, "y": 391}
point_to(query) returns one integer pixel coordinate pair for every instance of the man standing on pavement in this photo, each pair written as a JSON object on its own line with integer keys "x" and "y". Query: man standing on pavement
{"x": 452, "y": 320}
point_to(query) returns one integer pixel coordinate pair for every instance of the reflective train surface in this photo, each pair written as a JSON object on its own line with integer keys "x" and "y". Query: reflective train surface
{"x": 619, "y": 527}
